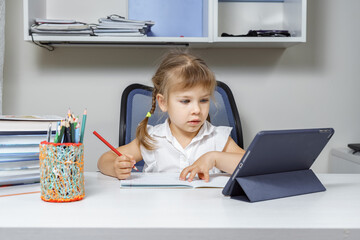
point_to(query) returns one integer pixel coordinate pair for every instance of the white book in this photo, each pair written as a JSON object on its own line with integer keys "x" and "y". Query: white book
{"x": 19, "y": 165}
{"x": 116, "y": 30}
{"x": 171, "y": 180}
{"x": 16, "y": 157}
{"x": 120, "y": 19}
{"x": 20, "y": 179}
{"x": 44, "y": 118}
{"x": 120, "y": 34}
{"x": 18, "y": 138}
{"x": 18, "y": 172}
{"x": 20, "y": 190}
{"x": 121, "y": 24}
{"x": 58, "y": 21}
{"x": 20, "y": 148}
{"x": 67, "y": 32}
{"x": 58, "y": 27}
{"x": 63, "y": 33}
{"x": 12, "y": 123}
{"x": 111, "y": 26}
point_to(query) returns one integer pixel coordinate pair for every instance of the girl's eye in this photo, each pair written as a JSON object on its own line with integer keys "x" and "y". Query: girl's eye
{"x": 205, "y": 100}
{"x": 185, "y": 101}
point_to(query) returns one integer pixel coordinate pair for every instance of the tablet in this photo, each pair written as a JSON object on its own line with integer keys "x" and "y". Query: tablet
{"x": 280, "y": 151}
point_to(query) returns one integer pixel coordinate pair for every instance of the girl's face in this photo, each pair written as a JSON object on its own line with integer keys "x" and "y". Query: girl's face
{"x": 187, "y": 109}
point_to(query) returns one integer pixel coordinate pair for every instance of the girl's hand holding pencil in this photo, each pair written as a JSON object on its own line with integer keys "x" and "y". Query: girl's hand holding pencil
{"x": 123, "y": 163}
{"x": 123, "y": 166}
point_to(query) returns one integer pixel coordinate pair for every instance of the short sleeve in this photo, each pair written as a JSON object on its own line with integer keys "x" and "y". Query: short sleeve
{"x": 221, "y": 135}
{"x": 148, "y": 155}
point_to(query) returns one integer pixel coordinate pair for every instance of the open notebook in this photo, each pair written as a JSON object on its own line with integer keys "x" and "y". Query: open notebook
{"x": 171, "y": 180}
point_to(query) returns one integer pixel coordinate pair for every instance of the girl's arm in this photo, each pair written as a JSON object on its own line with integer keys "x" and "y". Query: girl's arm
{"x": 120, "y": 167}
{"x": 227, "y": 160}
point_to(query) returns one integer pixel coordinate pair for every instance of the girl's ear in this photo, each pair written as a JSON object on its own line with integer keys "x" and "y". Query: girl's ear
{"x": 161, "y": 101}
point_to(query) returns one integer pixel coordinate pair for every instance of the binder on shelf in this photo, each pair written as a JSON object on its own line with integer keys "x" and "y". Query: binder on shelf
{"x": 59, "y": 27}
{"x": 277, "y": 164}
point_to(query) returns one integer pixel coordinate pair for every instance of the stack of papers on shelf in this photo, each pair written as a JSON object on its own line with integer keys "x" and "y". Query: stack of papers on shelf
{"x": 115, "y": 25}
{"x": 20, "y": 137}
{"x": 60, "y": 27}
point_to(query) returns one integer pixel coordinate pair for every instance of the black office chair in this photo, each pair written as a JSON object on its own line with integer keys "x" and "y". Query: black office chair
{"x": 136, "y": 102}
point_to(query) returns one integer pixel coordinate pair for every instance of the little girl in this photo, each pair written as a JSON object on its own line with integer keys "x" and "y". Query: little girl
{"x": 186, "y": 142}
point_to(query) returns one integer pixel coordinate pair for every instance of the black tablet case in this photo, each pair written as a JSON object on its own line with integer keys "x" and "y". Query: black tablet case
{"x": 277, "y": 164}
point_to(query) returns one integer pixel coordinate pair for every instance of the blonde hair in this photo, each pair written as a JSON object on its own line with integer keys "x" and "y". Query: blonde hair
{"x": 178, "y": 70}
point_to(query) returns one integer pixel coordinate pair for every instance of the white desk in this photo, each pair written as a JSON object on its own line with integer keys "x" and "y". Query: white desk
{"x": 108, "y": 212}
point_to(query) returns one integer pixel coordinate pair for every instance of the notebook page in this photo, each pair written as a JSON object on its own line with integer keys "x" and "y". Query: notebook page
{"x": 171, "y": 180}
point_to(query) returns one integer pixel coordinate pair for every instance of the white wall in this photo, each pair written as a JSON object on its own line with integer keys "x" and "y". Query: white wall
{"x": 2, "y": 46}
{"x": 315, "y": 84}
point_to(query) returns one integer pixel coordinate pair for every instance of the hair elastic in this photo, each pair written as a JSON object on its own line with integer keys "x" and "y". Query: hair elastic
{"x": 148, "y": 114}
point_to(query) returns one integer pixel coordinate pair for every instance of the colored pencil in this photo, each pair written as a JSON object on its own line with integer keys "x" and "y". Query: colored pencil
{"x": 67, "y": 136}
{"x": 49, "y": 133}
{"x": 83, "y": 126}
{"x": 72, "y": 128}
{"x": 62, "y": 130}
{"x": 110, "y": 146}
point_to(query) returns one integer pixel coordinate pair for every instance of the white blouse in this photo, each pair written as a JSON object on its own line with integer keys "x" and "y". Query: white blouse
{"x": 170, "y": 156}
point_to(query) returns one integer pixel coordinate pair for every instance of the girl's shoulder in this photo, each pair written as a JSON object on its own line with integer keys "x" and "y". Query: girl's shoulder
{"x": 222, "y": 132}
{"x": 217, "y": 133}
{"x": 215, "y": 137}
{"x": 159, "y": 129}
{"x": 216, "y": 130}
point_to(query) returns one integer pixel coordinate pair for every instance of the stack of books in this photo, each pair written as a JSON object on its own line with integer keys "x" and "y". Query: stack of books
{"x": 20, "y": 137}
{"x": 115, "y": 25}
{"x": 60, "y": 27}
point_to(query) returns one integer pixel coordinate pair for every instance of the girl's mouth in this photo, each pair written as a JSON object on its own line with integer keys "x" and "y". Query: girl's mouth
{"x": 194, "y": 122}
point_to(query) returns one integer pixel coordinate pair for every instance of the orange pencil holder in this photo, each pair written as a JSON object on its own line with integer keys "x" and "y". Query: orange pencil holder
{"x": 61, "y": 172}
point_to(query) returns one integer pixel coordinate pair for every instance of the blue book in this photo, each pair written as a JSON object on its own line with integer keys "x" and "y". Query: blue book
{"x": 14, "y": 157}
{"x": 173, "y": 18}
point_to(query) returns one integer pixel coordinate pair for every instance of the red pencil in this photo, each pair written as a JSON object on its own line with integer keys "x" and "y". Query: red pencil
{"x": 110, "y": 146}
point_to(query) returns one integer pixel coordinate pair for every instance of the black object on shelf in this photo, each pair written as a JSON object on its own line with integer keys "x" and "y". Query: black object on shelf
{"x": 261, "y": 33}
{"x": 355, "y": 147}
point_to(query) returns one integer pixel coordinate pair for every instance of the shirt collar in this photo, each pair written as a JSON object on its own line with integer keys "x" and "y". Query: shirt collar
{"x": 164, "y": 131}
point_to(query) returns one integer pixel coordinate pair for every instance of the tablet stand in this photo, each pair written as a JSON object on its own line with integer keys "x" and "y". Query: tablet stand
{"x": 276, "y": 185}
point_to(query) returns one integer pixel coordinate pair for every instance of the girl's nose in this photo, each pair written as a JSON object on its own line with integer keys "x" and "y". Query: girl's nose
{"x": 195, "y": 108}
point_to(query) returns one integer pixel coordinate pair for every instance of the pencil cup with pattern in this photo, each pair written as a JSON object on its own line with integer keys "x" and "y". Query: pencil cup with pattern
{"x": 61, "y": 171}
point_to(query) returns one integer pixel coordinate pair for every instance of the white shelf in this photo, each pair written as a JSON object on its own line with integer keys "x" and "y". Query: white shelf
{"x": 221, "y": 17}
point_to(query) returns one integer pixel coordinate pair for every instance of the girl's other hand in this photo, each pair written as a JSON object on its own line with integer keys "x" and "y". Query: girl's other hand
{"x": 201, "y": 167}
{"x": 123, "y": 166}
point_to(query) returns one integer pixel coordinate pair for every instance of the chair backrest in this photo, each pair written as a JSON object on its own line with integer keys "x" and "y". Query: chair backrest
{"x": 136, "y": 102}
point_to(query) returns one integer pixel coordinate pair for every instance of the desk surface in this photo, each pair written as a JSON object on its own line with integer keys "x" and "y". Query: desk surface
{"x": 108, "y": 211}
